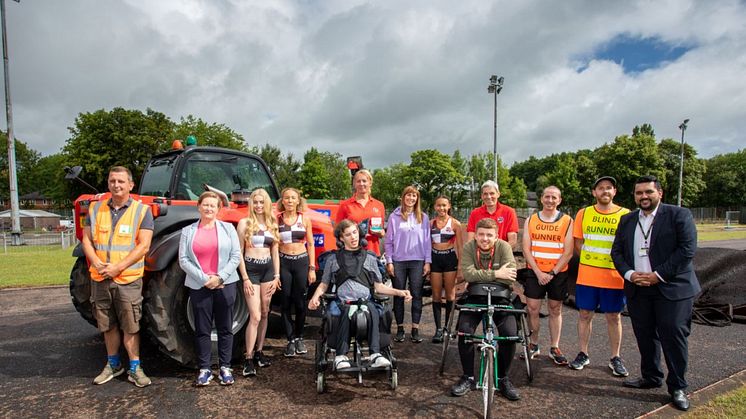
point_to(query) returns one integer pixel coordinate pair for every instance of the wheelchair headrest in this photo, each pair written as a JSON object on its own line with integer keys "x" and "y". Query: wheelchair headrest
{"x": 496, "y": 289}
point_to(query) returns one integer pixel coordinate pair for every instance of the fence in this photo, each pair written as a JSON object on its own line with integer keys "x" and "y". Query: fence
{"x": 40, "y": 242}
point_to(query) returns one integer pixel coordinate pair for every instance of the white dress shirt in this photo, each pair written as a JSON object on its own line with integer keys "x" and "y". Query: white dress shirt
{"x": 642, "y": 260}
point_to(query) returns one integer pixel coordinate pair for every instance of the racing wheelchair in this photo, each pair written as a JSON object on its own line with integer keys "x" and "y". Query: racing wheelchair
{"x": 489, "y": 299}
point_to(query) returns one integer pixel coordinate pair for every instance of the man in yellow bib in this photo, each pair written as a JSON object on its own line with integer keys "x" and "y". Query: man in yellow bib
{"x": 599, "y": 285}
{"x": 116, "y": 237}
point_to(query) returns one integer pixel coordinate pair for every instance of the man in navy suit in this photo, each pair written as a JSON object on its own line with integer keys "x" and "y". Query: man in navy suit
{"x": 653, "y": 251}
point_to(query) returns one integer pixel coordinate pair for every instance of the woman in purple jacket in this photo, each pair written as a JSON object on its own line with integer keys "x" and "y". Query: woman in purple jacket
{"x": 408, "y": 255}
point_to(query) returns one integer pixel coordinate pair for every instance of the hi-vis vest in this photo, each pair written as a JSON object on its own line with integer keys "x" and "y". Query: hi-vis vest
{"x": 548, "y": 240}
{"x": 113, "y": 246}
{"x": 598, "y": 236}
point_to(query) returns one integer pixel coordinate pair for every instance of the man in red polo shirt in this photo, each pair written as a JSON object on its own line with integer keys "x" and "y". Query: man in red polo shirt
{"x": 507, "y": 221}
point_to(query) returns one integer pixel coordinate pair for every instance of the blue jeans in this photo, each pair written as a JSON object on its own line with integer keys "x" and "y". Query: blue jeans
{"x": 409, "y": 270}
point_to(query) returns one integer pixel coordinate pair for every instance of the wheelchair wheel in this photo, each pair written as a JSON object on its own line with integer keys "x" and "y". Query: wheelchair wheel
{"x": 320, "y": 382}
{"x": 488, "y": 388}
{"x": 525, "y": 334}
{"x": 393, "y": 378}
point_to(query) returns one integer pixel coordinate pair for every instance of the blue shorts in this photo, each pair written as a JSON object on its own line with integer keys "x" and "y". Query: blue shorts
{"x": 608, "y": 300}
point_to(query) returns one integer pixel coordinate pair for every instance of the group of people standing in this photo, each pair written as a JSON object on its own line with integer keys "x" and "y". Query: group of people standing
{"x": 642, "y": 259}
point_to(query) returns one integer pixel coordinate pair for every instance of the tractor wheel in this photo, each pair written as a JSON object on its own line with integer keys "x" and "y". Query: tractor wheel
{"x": 80, "y": 290}
{"x": 169, "y": 320}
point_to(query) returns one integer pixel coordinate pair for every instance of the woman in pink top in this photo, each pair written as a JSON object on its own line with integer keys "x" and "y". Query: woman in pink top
{"x": 209, "y": 254}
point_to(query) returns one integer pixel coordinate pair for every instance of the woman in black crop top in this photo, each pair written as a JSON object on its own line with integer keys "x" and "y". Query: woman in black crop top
{"x": 260, "y": 271}
{"x": 445, "y": 233}
{"x": 297, "y": 269}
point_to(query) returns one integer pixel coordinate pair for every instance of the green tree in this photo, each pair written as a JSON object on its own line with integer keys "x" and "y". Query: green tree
{"x": 388, "y": 184}
{"x": 432, "y": 172}
{"x": 459, "y": 191}
{"x": 49, "y": 179}
{"x": 563, "y": 175}
{"x": 725, "y": 181}
{"x": 215, "y": 135}
{"x": 286, "y": 169}
{"x": 26, "y": 160}
{"x": 324, "y": 175}
{"x": 102, "y": 139}
{"x": 694, "y": 172}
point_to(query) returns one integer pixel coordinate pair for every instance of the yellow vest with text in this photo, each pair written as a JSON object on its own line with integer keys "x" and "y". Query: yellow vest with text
{"x": 548, "y": 240}
{"x": 598, "y": 236}
{"x": 113, "y": 246}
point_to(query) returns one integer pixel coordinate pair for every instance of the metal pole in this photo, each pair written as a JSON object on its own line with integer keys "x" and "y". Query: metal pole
{"x": 494, "y": 142}
{"x": 682, "y": 127}
{"x": 14, "y": 207}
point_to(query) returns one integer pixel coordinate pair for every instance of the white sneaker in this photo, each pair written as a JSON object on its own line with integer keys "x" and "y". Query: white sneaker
{"x": 379, "y": 361}
{"x": 341, "y": 362}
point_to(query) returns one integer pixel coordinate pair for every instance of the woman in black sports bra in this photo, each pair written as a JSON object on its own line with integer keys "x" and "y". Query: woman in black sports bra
{"x": 260, "y": 271}
{"x": 297, "y": 269}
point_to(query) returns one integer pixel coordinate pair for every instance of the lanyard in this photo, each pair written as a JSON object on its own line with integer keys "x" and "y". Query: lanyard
{"x": 645, "y": 234}
{"x": 479, "y": 259}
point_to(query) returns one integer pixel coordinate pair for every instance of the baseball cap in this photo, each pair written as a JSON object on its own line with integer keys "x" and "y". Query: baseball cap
{"x": 602, "y": 178}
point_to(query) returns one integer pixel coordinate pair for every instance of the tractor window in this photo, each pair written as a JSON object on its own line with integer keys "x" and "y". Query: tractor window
{"x": 157, "y": 176}
{"x": 227, "y": 172}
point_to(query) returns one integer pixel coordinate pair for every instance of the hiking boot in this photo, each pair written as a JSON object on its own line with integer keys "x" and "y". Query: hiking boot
{"x": 557, "y": 356}
{"x": 379, "y": 361}
{"x": 204, "y": 378}
{"x": 261, "y": 360}
{"x": 464, "y": 385}
{"x": 415, "y": 335}
{"x": 580, "y": 361}
{"x": 533, "y": 351}
{"x": 226, "y": 376}
{"x": 248, "y": 368}
{"x": 438, "y": 337}
{"x": 290, "y": 350}
{"x": 399, "y": 335}
{"x": 138, "y": 377}
{"x": 300, "y": 347}
{"x": 507, "y": 390}
{"x": 108, "y": 373}
{"x": 617, "y": 367}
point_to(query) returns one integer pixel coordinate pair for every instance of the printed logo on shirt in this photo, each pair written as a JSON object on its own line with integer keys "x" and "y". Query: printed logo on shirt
{"x": 500, "y": 220}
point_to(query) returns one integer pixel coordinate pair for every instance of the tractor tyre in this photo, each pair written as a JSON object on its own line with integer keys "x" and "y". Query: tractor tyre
{"x": 80, "y": 290}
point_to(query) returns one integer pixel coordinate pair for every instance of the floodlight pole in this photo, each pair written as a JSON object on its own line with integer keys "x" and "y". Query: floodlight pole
{"x": 12, "y": 177}
{"x": 682, "y": 127}
{"x": 495, "y": 87}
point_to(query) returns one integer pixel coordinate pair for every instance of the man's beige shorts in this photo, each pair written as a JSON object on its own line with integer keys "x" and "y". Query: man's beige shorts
{"x": 116, "y": 304}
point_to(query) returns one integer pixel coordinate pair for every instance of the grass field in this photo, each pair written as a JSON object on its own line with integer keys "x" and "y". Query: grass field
{"x": 710, "y": 232}
{"x": 33, "y": 266}
{"x": 728, "y": 405}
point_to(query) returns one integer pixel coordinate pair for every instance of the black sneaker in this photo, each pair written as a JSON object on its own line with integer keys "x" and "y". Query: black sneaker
{"x": 300, "y": 347}
{"x": 617, "y": 367}
{"x": 261, "y": 360}
{"x": 290, "y": 350}
{"x": 580, "y": 361}
{"x": 464, "y": 385}
{"x": 248, "y": 368}
{"x": 557, "y": 356}
{"x": 438, "y": 337}
{"x": 415, "y": 335}
{"x": 399, "y": 335}
{"x": 507, "y": 390}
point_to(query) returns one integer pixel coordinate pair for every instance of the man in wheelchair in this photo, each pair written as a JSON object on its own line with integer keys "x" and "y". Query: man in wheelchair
{"x": 356, "y": 276}
{"x": 486, "y": 259}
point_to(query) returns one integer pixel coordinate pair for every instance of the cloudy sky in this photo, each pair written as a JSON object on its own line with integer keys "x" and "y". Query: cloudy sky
{"x": 384, "y": 78}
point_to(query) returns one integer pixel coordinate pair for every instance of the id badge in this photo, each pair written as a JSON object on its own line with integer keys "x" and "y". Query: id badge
{"x": 643, "y": 252}
{"x": 125, "y": 229}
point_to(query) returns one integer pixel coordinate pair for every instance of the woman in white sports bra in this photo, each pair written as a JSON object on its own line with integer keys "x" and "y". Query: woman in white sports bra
{"x": 445, "y": 233}
{"x": 260, "y": 271}
{"x": 297, "y": 269}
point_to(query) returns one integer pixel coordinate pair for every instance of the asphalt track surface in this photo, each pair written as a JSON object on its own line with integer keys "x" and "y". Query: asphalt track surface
{"x": 49, "y": 355}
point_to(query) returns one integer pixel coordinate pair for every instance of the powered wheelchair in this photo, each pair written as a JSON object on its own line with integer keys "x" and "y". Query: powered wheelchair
{"x": 354, "y": 319}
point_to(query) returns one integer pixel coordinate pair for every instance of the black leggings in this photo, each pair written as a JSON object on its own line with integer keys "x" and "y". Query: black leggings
{"x": 506, "y": 326}
{"x": 294, "y": 280}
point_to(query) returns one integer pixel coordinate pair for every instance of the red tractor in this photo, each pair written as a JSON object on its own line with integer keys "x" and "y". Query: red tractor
{"x": 170, "y": 185}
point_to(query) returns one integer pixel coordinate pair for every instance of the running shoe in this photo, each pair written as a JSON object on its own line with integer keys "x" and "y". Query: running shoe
{"x": 226, "y": 376}
{"x": 248, "y": 368}
{"x": 557, "y": 356}
{"x": 580, "y": 361}
{"x": 617, "y": 367}
{"x": 108, "y": 373}
{"x": 204, "y": 378}
{"x": 261, "y": 360}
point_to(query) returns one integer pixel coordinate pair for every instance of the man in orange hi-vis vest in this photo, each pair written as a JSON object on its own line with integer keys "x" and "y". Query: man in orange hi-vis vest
{"x": 116, "y": 237}
{"x": 547, "y": 247}
{"x": 599, "y": 285}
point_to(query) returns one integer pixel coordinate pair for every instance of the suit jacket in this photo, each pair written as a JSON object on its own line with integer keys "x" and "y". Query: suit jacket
{"x": 673, "y": 242}
{"x": 229, "y": 255}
